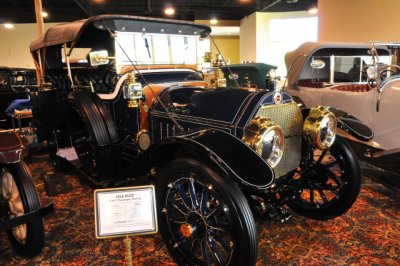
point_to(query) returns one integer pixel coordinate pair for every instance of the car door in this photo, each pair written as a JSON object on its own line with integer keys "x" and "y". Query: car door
{"x": 386, "y": 120}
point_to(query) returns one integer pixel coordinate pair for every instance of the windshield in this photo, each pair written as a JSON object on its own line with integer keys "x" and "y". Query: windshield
{"x": 340, "y": 69}
{"x": 155, "y": 49}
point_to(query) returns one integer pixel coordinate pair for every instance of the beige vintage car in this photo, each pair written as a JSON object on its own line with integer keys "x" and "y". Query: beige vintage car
{"x": 361, "y": 79}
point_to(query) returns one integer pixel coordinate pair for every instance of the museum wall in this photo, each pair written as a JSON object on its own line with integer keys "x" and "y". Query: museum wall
{"x": 248, "y": 38}
{"x": 229, "y": 47}
{"x": 358, "y": 20}
{"x": 254, "y": 37}
{"x": 14, "y": 45}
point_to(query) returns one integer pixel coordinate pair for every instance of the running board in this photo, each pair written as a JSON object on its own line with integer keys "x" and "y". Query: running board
{"x": 381, "y": 154}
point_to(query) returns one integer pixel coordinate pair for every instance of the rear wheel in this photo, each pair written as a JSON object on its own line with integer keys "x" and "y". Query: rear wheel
{"x": 204, "y": 218}
{"x": 328, "y": 184}
{"x": 19, "y": 191}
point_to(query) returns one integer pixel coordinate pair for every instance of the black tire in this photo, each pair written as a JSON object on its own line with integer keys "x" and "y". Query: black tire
{"x": 336, "y": 175}
{"x": 108, "y": 120}
{"x": 94, "y": 134}
{"x": 221, "y": 226}
{"x": 27, "y": 239}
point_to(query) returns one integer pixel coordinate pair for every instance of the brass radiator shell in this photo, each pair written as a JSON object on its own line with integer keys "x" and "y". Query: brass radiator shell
{"x": 289, "y": 117}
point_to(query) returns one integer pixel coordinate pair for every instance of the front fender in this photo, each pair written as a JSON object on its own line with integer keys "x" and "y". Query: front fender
{"x": 224, "y": 150}
{"x": 348, "y": 123}
{"x": 352, "y": 125}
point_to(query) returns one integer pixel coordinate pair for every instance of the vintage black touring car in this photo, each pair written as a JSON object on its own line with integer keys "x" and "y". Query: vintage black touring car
{"x": 135, "y": 111}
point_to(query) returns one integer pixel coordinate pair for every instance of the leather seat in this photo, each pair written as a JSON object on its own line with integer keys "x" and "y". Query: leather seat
{"x": 352, "y": 87}
{"x": 310, "y": 83}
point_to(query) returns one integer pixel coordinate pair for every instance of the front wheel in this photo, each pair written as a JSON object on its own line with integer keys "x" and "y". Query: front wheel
{"x": 204, "y": 218}
{"x": 328, "y": 182}
{"x": 19, "y": 193}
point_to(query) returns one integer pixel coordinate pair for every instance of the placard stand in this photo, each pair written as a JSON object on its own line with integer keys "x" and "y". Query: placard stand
{"x": 128, "y": 250}
{"x": 126, "y": 211}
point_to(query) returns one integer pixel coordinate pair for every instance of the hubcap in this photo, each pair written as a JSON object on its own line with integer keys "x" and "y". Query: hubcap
{"x": 9, "y": 192}
{"x": 186, "y": 230}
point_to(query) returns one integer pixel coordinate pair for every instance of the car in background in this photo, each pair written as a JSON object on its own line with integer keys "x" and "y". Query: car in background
{"x": 14, "y": 83}
{"x": 123, "y": 101}
{"x": 21, "y": 214}
{"x": 249, "y": 75}
{"x": 360, "y": 79}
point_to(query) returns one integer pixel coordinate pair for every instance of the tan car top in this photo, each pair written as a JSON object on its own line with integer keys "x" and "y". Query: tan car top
{"x": 296, "y": 59}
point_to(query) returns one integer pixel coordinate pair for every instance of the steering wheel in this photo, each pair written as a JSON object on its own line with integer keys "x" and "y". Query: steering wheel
{"x": 388, "y": 69}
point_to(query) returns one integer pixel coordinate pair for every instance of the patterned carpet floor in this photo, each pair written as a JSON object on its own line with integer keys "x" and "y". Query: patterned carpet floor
{"x": 369, "y": 234}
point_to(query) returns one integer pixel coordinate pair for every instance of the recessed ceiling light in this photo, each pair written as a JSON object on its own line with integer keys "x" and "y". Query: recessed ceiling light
{"x": 45, "y": 14}
{"x": 8, "y": 25}
{"x": 213, "y": 21}
{"x": 313, "y": 10}
{"x": 169, "y": 10}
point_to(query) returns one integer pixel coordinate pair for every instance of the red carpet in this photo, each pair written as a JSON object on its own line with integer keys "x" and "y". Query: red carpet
{"x": 369, "y": 234}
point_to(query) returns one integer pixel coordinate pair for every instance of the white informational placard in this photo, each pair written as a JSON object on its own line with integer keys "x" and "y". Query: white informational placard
{"x": 125, "y": 211}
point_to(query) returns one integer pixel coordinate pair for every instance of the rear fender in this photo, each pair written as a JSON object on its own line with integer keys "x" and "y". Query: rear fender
{"x": 348, "y": 123}
{"x": 222, "y": 150}
{"x": 12, "y": 148}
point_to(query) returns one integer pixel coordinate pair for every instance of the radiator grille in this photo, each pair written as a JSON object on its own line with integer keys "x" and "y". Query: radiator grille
{"x": 289, "y": 117}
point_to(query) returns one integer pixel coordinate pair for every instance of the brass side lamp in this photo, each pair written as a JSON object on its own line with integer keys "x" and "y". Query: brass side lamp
{"x": 132, "y": 91}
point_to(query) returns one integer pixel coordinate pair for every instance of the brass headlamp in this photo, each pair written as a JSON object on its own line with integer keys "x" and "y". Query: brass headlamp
{"x": 320, "y": 127}
{"x": 266, "y": 138}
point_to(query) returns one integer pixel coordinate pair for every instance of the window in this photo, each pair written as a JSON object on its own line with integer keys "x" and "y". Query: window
{"x": 143, "y": 49}
{"x": 156, "y": 49}
{"x": 161, "y": 49}
{"x": 128, "y": 53}
{"x": 345, "y": 68}
{"x": 286, "y": 35}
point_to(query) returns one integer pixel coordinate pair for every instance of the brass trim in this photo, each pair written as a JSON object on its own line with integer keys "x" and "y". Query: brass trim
{"x": 312, "y": 127}
{"x": 141, "y": 133}
{"x": 255, "y": 131}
